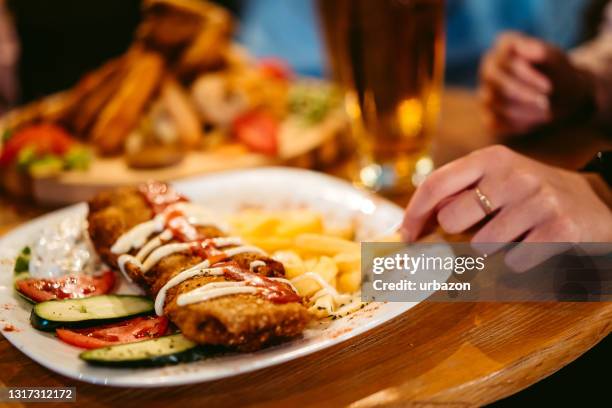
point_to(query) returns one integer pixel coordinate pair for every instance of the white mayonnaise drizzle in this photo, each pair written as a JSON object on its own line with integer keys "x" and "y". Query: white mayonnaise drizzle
{"x": 244, "y": 249}
{"x": 286, "y": 281}
{"x": 255, "y": 264}
{"x": 201, "y": 269}
{"x": 221, "y": 242}
{"x": 162, "y": 252}
{"x": 150, "y": 252}
{"x": 137, "y": 236}
{"x": 219, "y": 289}
{"x": 153, "y": 244}
{"x": 123, "y": 260}
{"x": 214, "y": 290}
{"x": 169, "y": 249}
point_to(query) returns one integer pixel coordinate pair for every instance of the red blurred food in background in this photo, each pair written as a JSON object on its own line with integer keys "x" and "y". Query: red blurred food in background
{"x": 258, "y": 130}
{"x": 275, "y": 68}
{"x": 43, "y": 139}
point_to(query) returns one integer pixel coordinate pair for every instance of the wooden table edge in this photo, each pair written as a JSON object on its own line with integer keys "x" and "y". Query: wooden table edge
{"x": 502, "y": 383}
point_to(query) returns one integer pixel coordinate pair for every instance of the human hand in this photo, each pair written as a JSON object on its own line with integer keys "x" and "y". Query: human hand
{"x": 527, "y": 83}
{"x": 528, "y": 200}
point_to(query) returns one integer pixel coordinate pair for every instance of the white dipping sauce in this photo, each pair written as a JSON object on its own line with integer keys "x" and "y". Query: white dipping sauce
{"x": 63, "y": 249}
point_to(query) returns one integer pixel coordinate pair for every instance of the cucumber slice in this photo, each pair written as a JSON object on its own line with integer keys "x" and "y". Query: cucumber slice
{"x": 172, "y": 349}
{"x": 90, "y": 311}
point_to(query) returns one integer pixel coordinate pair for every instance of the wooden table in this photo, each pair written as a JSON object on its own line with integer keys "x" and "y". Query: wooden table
{"x": 452, "y": 354}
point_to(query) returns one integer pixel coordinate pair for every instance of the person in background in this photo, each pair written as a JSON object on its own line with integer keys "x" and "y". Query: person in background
{"x": 289, "y": 30}
{"x": 47, "y": 46}
{"x": 9, "y": 52}
{"x": 527, "y": 83}
{"x": 473, "y": 25}
{"x": 63, "y": 39}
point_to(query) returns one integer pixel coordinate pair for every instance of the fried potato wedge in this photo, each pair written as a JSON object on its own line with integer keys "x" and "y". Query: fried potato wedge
{"x": 123, "y": 112}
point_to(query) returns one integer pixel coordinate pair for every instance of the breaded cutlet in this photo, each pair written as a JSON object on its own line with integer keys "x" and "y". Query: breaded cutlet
{"x": 245, "y": 322}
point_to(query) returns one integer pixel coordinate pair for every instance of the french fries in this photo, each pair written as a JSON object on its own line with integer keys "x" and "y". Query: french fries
{"x": 315, "y": 257}
{"x": 270, "y": 244}
{"x": 324, "y": 244}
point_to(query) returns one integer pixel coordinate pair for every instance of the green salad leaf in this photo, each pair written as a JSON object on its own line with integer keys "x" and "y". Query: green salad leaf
{"x": 6, "y": 135}
{"x": 46, "y": 166}
{"x": 77, "y": 158}
{"x": 313, "y": 101}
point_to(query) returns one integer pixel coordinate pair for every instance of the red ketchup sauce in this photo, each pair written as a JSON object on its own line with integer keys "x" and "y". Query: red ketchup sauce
{"x": 159, "y": 195}
{"x": 184, "y": 231}
{"x": 181, "y": 228}
{"x": 274, "y": 291}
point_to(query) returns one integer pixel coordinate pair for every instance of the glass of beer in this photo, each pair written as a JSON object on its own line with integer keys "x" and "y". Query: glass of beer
{"x": 388, "y": 58}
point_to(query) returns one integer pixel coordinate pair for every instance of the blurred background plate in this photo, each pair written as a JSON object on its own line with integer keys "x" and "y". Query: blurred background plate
{"x": 311, "y": 147}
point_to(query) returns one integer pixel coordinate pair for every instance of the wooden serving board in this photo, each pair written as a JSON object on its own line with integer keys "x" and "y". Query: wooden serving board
{"x": 299, "y": 145}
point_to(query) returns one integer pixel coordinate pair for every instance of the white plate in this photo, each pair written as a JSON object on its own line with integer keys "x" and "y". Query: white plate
{"x": 268, "y": 187}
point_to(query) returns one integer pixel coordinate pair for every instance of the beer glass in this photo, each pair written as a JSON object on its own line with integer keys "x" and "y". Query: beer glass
{"x": 388, "y": 58}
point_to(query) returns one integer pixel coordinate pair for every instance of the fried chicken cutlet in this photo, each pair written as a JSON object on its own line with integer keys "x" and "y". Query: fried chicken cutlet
{"x": 243, "y": 321}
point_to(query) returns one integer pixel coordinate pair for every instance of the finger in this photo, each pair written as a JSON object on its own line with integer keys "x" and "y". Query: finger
{"x": 505, "y": 43}
{"x": 530, "y": 76}
{"x": 533, "y": 50}
{"x": 529, "y": 48}
{"x": 511, "y": 110}
{"x": 510, "y": 88}
{"x": 518, "y": 54}
{"x": 461, "y": 213}
{"x": 507, "y": 110}
{"x": 509, "y": 224}
{"x": 465, "y": 210}
{"x": 441, "y": 184}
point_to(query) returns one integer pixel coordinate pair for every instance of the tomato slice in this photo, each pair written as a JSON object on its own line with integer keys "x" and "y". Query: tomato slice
{"x": 275, "y": 68}
{"x": 258, "y": 130}
{"x": 43, "y": 138}
{"x": 128, "y": 331}
{"x": 66, "y": 287}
